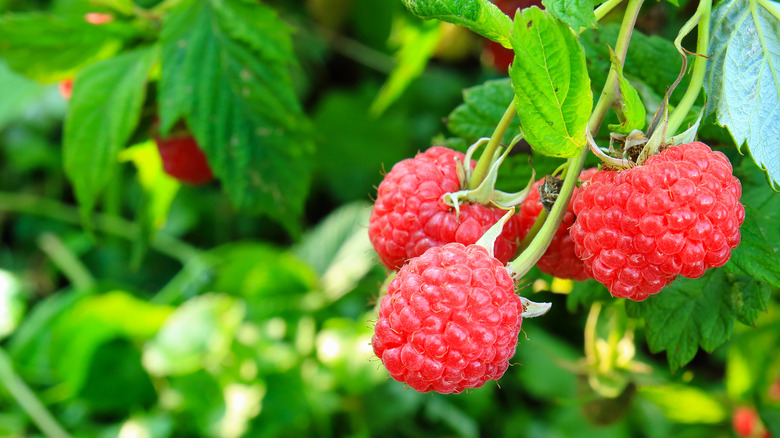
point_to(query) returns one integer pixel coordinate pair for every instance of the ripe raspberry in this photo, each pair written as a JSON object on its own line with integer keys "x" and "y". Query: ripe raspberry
{"x": 496, "y": 55}
{"x": 559, "y": 260}
{"x": 637, "y": 229}
{"x": 184, "y": 160}
{"x": 449, "y": 321}
{"x": 66, "y": 88}
{"x": 410, "y": 216}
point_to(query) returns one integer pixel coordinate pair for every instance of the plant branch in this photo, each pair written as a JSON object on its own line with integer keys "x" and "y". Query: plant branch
{"x": 605, "y": 8}
{"x": 113, "y": 225}
{"x": 26, "y": 398}
{"x": 483, "y": 165}
{"x": 677, "y": 117}
{"x": 69, "y": 264}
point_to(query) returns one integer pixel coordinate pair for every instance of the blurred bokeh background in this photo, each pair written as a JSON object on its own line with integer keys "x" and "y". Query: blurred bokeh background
{"x": 226, "y": 323}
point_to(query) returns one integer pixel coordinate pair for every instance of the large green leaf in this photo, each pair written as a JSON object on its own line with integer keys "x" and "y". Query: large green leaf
{"x": 552, "y": 88}
{"x": 51, "y": 48}
{"x": 482, "y": 108}
{"x": 743, "y": 78}
{"x": 576, "y": 13}
{"x": 226, "y": 70}
{"x": 481, "y": 16}
{"x": 104, "y": 112}
{"x": 695, "y": 312}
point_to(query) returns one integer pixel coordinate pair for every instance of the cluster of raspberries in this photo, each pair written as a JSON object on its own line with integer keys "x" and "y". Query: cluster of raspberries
{"x": 450, "y": 318}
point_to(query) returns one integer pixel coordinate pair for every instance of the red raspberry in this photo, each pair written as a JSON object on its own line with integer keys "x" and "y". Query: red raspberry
{"x": 184, "y": 160}
{"x": 498, "y": 56}
{"x": 559, "y": 260}
{"x": 449, "y": 321}
{"x": 637, "y": 229}
{"x": 410, "y": 216}
{"x": 66, "y": 88}
{"x": 744, "y": 421}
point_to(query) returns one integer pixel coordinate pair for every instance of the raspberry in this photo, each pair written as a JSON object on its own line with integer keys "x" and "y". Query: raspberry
{"x": 559, "y": 260}
{"x": 449, "y": 321}
{"x": 637, "y": 229}
{"x": 498, "y": 56}
{"x": 184, "y": 160}
{"x": 410, "y": 216}
{"x": 66, "y": 88}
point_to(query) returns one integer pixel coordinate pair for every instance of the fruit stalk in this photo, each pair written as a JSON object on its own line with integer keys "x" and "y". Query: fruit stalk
{"x": 483, "y": 165}
{"x": 703, "y": 13}
{"x": 523, "y": 263}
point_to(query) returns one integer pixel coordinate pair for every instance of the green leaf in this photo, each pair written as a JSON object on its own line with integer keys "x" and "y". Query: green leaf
{"x": 770, "y": 416}
{"x": 687, "y": 313}
{"x": 482, "y": 108}
{"x": 226, "y": 70}
{"x": 685, "y": 403}
{"x": 418, "y": 42}
{"x": 160, "y": 188}
{"x": 629, "y": 106}
{"x": 82, "y": 329}
{"x": 18, "y": 93}
{"x": 481, "y": 16}
{"x": 199, "y": 333}
{"x": 104, "y": 111}
{"x": 51, "y": 48}
{"x": 552, "y": 88}
{"x": 743, "y": 78}
{"x": 586, "y": 293}
{"x": 748, "y": 298}
{"x": 339, "y": 250}
{"x": 575, "y": 13}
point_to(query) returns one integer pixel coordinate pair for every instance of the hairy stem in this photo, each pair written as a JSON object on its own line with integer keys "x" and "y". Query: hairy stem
{"x": 26, "y": 398}
{"x": 699, "y": 68}
{"x": 525, "y": 261}
{"x": 483, "y": 165}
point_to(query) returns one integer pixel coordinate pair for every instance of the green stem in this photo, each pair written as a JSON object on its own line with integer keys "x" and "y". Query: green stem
{"x": 590, "y": 333}
{"x": 699, "y": 69}
{"x": 116, "y": 226}
{"x": 771, "y": 6}
{"x": 69, "y": 264}
{"x": 605, "y": 8}
{"x": 523, "y": 263}
{"x": 483, "y": 165}
{"x": 26, "y": 398}
{"x": 534, "y": 230}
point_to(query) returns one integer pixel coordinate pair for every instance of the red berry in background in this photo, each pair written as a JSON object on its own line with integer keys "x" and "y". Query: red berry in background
{"x": 184, "y": 160}
{"x": 498, "y": 56}
{"x": 744, "y": 421}
{"x": 560, "y": 259}
{"x": 98, "y": 18}
{"x": 678, "y": 214}
{"x": 449, "y": 321}
{"x": 66, "y": 88}
{"x": 409, "y": 215}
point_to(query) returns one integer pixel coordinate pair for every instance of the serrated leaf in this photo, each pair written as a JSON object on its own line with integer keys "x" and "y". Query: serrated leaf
{"x": 748, "y": 298}
{"x": 754, "y": 256}
{"x": 629, "y": 106}
{"x": 743, "y": 78}
{"x": 481, "y": 16}
{"x": 482, "y": 109}
{"x": 418, "y": 42}
{"x": 226, "y": 70}
{"x": 686, "y": 314}
{"x": 104, "y": 111}
{"x": 552, "y": 88}
{"x": 51, "y": 48}
{"x": 576, "y": 13}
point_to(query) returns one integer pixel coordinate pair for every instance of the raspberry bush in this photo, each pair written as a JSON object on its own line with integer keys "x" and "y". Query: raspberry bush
{"x": 230, "y": 218}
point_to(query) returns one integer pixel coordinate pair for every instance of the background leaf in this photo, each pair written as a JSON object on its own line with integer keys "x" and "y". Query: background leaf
{"x": 482, "y": 108}
{"x": 481, "y": 16}
{"x": 226, "y": 70}
{"x": 552, "y": 89}
{"x": 629, "y": 105}
{"x": 743, "y": 78}
{"x": 104, "y": 111}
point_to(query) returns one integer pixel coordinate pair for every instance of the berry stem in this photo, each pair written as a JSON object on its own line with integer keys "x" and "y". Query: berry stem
{"x": 605, "y": 8}
{"x": 536, "y": 248}
{"x": 483, "y": 165}
{"x": 677, "y": 117}
{"x": 26, "y": 398}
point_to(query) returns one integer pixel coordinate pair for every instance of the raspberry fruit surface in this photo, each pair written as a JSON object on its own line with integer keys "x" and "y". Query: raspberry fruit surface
{"x": 679, "y": 214}
{"x": 184, "y": 160}
{"x": 449, "y": 321}
{"x": 409, "y": 215}
{"x": 560, "y": 259}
